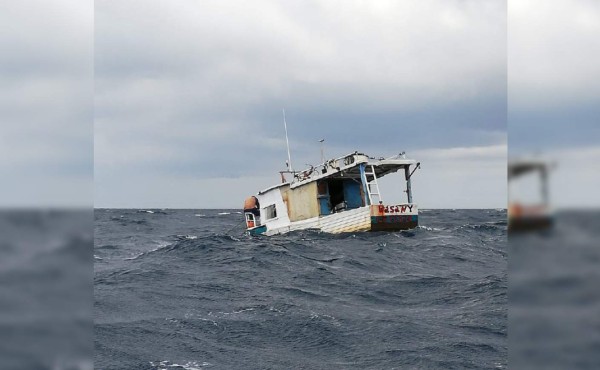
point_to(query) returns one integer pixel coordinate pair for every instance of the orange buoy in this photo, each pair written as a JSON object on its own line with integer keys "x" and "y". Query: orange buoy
{"x": 251, "y": 203}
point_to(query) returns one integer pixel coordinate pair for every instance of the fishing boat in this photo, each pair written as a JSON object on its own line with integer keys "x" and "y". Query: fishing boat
{"x": 339, "y": 195}
{"x": 538, "y": 215}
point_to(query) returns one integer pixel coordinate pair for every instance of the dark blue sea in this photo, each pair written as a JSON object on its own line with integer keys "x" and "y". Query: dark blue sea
{"x": 187, "y": 289}
{"x": 554, "y": 295}
{"x": 46, "y": 291}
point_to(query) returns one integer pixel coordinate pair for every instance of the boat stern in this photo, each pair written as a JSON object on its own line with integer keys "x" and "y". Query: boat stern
{"x": 529, "y": 218}
{"x": 258, "y": 230}
{"x": 394, "y": 217}
{"x": 253, "y": 225}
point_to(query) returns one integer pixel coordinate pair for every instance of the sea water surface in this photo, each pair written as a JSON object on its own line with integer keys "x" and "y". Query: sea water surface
{"x": 46, "y": 289}
{"x": 187, "y": 289}
{"x": 554, "y": 295}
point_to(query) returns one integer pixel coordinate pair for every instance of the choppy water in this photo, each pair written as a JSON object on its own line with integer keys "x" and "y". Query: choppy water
{"x": 186, "y": 289}
{"x": 46, "y": 289}
{"x": 554, "y": 296}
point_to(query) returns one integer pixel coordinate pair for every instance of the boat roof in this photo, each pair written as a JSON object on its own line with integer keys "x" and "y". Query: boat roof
{"x": 347, "y": 166}
{"x": 521, "y": 166}
{"x": 273, "y": 187}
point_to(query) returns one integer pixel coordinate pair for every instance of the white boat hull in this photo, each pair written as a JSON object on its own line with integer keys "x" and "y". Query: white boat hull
{"x": 368, "y": 218}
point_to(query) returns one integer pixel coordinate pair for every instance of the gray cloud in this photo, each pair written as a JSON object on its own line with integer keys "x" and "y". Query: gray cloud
{"x": 554, "y": 77}
{"x": 554, "y": 92}
{"x": 46, "y": 103}
{"x": 193, "y": 91}
{"x": 553, "y": 53}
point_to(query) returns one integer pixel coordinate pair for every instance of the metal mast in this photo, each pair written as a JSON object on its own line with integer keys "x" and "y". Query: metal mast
{"x": 289, "y": 163}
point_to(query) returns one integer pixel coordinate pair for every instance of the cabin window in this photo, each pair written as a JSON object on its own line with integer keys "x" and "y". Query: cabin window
{"x": 270, "y": 212}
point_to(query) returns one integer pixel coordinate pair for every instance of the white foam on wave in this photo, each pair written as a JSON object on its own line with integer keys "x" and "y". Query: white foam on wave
{"x": 224, "y": 213}
{"x": 199, "y": 215}
{"x": 187, "y": 237}
{"x": 325, "y": 317}
{"x": 192, "y": 365}
{"x": 423, "y": 227}
{"x": 196, "y": 316}
{"x": 134, "y": 257}
{"x": 161, "y": 245}
{"x": 231, "y": 313}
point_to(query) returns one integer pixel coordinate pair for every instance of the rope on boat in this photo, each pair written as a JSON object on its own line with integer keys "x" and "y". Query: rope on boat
{"x": 235, "y": 226}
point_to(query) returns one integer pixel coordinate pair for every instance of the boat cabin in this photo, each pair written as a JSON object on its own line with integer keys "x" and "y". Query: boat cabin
{"x": 337, "y": 195}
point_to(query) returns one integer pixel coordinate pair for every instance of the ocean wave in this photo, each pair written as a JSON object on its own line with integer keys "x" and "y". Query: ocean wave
{"x": 192, "y": 365}
{"x": 189, "y": 244}
{"x": 488, "y": 226}
{"x": 107, "y": 246}
{"x": 161, "y": 246}
{"x": 232, "y": 312}
{"x": 303, "y": 292}
{"x": 347, "y": 300}
{"x": 149, "y": 211}
{"x": 186, "y": 237}
{"x": 427, "y": 228}
{"x": 124, "y": 220}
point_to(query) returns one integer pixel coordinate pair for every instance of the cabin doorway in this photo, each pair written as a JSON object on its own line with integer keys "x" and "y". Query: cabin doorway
{"x": 336, "y": 195}
{"x": 336, "y": 191}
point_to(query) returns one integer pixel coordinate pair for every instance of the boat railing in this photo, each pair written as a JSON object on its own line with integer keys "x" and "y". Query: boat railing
{"x": 333, "y": 165}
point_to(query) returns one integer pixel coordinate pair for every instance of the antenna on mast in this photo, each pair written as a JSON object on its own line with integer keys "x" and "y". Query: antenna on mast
{"x": 322, "y": 151}
{"x": 289, "y": 161}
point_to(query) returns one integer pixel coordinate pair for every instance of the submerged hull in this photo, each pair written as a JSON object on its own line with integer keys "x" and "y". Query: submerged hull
{"x": 341, "y": 195}
{"x": 368, "y": 218}
{"x": 530, "y": 223}
{"x": 529, "y": 218}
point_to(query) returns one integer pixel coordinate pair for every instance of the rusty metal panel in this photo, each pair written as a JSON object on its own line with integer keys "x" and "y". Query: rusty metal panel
{"x": 394, "y": 217}
{"x": 302, "y": 202}
{"x": 285, "y": 190}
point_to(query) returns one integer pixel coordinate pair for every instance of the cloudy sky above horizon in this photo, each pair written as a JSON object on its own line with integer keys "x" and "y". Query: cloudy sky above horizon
{"x": 46, "y": 103}
{"x": 179, "y": 105}
{"x": 554, "y": 93}
{"x": 188, "y": 96}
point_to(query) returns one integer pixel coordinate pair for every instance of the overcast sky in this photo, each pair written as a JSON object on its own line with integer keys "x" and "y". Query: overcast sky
{"x": 554, "y": 92}
{"x": 46, "y": 103}
{"x": 188, "y": 96}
